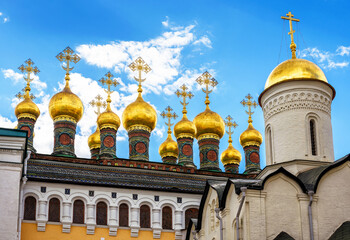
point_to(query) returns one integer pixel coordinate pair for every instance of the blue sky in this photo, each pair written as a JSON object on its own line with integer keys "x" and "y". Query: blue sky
{"x": 239, "y": 42}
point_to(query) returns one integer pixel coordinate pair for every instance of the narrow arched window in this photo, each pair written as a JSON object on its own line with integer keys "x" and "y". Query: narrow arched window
{"x": 78, "y": 211}
{"x": 29, "y": 208}
{"x": 123, "y": 215}
{"x": 101, "y": 213}
{"x": 145, "y": 216}
{"x": 167, "y": 218}
{"x": 190, "y": 213}
{"x": 54, "y": 210}
{"x": 313, "y": 137}
{"x": 269, "y": 142}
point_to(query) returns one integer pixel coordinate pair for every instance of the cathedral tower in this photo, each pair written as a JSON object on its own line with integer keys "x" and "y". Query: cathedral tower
{"x": 27, "y": 112}
{"x": 210, "y": 129}
{"x": 139, "y": 118}
{"x": 297, "y": 110}
{"x": 66, "y": 109}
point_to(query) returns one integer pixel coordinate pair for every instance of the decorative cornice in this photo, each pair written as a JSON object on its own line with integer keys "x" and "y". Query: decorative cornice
{"x": 139, "y": 127}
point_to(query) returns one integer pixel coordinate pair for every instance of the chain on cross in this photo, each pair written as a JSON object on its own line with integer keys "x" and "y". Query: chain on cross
{"x": 28, "y": 69}
{"x": 169, "y": 116}
{"x": 229, "y": 124}
{"x": 68, "y": 55}
{"x": 98, "y": 104}
{"x": 184, "y": 94}
{"x": 207, "y": 80}
{"x": 293, "y": 46}
{"x": 249, "y": 103}
{"x": 141, "y": 66}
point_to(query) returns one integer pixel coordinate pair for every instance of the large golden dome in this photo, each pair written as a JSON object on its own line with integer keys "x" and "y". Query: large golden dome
{"x": 185, "y": 128}
{"x": 209, "y": 123}
{"x": 108, "y": 119}
{"x": 295, "y": 69}
{"x": 250, "y": 137}
{"x": 231, "y": 156}
{"x": 94, "y": 140}
{"x": 169, "y": 148}
{"x": 27, "y": 109}
{"x": 139, "y": 113}
{"x": 66, "y": 105}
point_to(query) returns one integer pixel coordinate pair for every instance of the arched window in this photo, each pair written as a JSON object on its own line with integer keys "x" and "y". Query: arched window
{"x": 54, "y": 210}
{"x": 78, "y": 212}
{"x": 313, "y": 137}
{"x": 269, "y": 145}
{"x": 190, "y": 213}
{"x": 123, "y": 215}
{"x": 145, "y": 216}
{"x": 101, "y": 213}
{"x": 167, "y": 218}
{"x": 29, "y": 208}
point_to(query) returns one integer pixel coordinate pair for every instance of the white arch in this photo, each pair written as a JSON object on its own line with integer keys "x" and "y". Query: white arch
{"x": 146, "y": 200}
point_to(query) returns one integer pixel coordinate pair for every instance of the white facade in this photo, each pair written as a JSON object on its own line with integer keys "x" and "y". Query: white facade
{"x": 288, "y": 108}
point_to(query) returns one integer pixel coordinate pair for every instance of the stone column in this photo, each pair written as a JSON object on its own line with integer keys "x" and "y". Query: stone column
{"x": 178, "y": 224}
{"x": 64, "y": 135}
{"x": 209, "y": 153}
{"x": 252, "y": 159}
{"x": 27, "y": 124}
{"x": 90, "y": 220}
{"x": 139, "y": 143}
{"x": 113, "y": 220}
{"x": 232, "y": 168}
{"x": 66, "y": 217}
{"x": 185, "y": 145}
{"x": 134, "y": 223}
{"x": 42, "y": 217}
{"x": 108, "y": 143}
{"x": 156, "y": 224}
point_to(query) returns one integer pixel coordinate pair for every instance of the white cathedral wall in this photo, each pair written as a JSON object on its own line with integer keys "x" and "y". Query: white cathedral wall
{"x": 104, "y": 194}
{"x": 287, "y": 108}
{"x": 332, "y": 207}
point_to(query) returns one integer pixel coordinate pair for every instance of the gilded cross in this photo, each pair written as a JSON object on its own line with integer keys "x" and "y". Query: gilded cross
{"x": 207, "y": 80}
{"x": 20, "y": 95}
{"x": 68, "y": 55}
{"x": 169, "y": 116}
{"x": 140, "y": 66}
{"x": 184, "y": 94}
{"x": 229, "y": 124}
{"x": 109, "y": 82}
{"x": 98, "y": 104}
{"x": 290, "y": 18}
{"x": 28, "y": 69}
{"x": 249, "y": 103}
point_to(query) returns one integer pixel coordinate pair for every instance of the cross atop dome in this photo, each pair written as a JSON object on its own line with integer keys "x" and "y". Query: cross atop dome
{"x": 184, "y": 95}
{"x": 249, "y": 103}
{"x": 109, "y": 82}
{"x": 141, "y": 66}
{"x": 68, "y": 55}
{"x": 169, "y": 116}
{"x": 207, "y": 80}
{"x": 29, "y": 68}
{"x": 20, "y": 95}
{"x": 229, "y": 124}
{"x": 98, "y": 104}
{"x": 293, "y": 46}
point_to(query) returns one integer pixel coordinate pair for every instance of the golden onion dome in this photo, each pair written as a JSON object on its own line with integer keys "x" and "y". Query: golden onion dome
{"x": 185, "y": 128}
{"x": 139, "y": 113}
{"x": 94, "y": 140}
{"x": 169, "y": 148}
{"x": 231, "y": 156}
{"x": 250, "y": 137}
{"x": 209, "y": 123}
{"x": 66, "y": 105}
{"x": 108, "y": 119}
{"x": 295, "y": 69}
{"x": 27, "y": 109}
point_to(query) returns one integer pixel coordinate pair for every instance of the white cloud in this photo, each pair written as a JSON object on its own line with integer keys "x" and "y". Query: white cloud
{"x": 7, "y": 123}
{"x": 166, "y": 22}
{"x": 203, "y": 40}
{"x": 6, "y": 19}
{"x": 343, "y": 51}
{"x": 325, "y": 59}
{"x": 3, "y": 18}
{"x": 19, "y": 78}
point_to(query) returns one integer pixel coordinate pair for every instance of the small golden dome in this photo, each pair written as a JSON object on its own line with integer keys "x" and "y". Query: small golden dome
{"x": 108, "y": 119}
{"x": 209, "y": 123}
{"x": 94, "y": 140}
{"x": 295, "y": 69}
{"x": 169, "y": 148}
{"x": 231, "y": 156}
{"x": 250, "y": 137}
{"x": 185, "y": 128}
{"x": 66, "y": 105}
{"x": 27, "y": 109}
{"x": 139, "y": 113}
